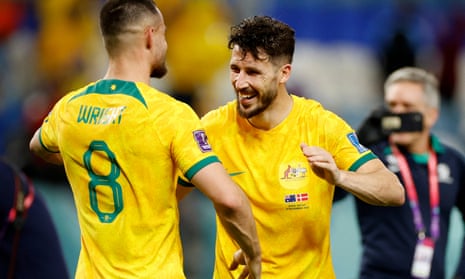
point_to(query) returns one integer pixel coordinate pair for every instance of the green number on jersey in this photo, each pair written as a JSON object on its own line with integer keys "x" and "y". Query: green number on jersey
{"x": 109, "y": 180}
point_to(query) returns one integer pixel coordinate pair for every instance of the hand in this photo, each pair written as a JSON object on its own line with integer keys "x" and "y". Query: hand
{"x": 322, "y": 163}
{"x": 240, "y": 259}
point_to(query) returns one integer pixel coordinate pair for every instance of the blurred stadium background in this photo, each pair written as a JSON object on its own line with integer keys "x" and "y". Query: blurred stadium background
{"x": 345, "y": 48}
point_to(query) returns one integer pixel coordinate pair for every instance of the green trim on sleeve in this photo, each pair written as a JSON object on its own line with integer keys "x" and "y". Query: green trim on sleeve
{"x": 42, "y": 143}
{"x": 200, "y": 165}
{"x": 184, "y": 183}
{"x": 365, "y": 158}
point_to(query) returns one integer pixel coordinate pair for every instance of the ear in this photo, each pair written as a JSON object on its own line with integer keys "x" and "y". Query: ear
{"x": 148, "y": 37}
{"x": 285, "y": 73}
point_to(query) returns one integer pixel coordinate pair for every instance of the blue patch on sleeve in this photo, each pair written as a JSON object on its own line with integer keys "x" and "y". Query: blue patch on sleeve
{"x": 354, "y": 140}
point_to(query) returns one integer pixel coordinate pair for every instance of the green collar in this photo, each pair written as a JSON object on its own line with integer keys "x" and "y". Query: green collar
{"x": 420, "y": 158}
{"x": 112, "y": 86}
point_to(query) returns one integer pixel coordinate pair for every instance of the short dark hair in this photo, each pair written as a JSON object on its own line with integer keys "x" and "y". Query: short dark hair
{"x": 117, "y": 17}
{"x": 253, "y": 34}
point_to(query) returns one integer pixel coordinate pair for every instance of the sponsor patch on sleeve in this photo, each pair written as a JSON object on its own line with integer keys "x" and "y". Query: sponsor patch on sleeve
{"x": 201, "y": 138}
{"x": 354, "y": 140}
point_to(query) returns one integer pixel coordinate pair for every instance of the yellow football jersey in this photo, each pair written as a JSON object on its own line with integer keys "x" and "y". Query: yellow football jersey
{"x": 122, "y": 143}
{"x": 291, "y": 205}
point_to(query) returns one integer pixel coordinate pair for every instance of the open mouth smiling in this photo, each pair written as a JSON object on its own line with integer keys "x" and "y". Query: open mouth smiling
{"x": 243, "y": 96}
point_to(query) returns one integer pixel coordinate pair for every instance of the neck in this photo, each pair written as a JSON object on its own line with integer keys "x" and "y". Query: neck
{"x": 274, "y": 114}
{"x": 127, "y": 69}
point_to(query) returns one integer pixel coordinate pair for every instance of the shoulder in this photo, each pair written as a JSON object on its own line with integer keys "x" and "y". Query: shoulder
{"x": 447, "y": 151}
{"x": 316, "y": 117}
{"x": 313, "y": 109}
{"x": 306, "y": 104}
{"x": 221, "y": 116}
{"x": 159, "y": 103}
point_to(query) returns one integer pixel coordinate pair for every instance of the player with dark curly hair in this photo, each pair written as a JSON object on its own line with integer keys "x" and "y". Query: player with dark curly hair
{"x": 287, "y": 153}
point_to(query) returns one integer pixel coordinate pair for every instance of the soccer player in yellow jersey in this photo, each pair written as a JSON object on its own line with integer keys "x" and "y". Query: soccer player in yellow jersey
{"x": 121, "y": 143}
{"x": 288, "y": 154}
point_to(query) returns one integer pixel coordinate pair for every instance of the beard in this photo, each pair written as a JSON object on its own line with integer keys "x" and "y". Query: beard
{"x": 159, "y": 71}
{"x": 263, "y": 102}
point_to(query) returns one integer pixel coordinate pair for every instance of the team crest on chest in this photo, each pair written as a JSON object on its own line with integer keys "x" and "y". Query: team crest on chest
{"x": 293, "y": 175}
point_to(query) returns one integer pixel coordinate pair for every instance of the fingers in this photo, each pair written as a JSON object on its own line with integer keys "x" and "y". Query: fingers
{"x": 238, "y": 259}
{"x": 244, "y": 273}
{"x": 310, "y": 150}
{"x": 315, "y": 154}
{"x": 233, "y": 265}
{"x": 321, "y": 162}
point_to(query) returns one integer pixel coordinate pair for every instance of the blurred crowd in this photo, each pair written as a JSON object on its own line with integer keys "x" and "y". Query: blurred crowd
{"x": 345, "y": 49}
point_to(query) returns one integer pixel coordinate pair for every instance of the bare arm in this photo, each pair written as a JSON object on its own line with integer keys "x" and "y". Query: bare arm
{"x": 39, "y": 150}
{"x": 233, "y": 210}
{"x": 373, "y": 183}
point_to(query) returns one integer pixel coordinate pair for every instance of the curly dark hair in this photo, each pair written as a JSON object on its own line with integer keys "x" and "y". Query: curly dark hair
{"x": 264, "y": 33}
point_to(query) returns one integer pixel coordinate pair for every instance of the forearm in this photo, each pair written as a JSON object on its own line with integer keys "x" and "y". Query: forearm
{"x": 373, "y": 183}
{"x": 377, "y": 188}
{"x": 240, "y": 225}
{"x": 233, "y": 210}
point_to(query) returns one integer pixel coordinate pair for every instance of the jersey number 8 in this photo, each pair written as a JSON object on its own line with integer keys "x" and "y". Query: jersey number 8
{"x": 98, "y": 180}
